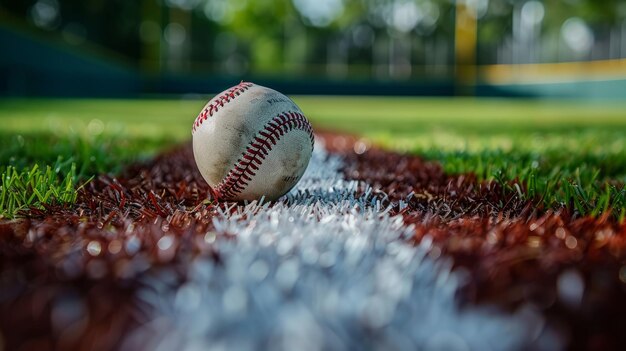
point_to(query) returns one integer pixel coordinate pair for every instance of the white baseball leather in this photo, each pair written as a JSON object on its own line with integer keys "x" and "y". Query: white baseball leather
{"x": 250, "y": 141}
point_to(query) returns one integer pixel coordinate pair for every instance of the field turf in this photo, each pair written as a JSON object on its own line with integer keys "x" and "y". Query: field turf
{"x": 563, "y": 153}
{"x": 523, "y": 201}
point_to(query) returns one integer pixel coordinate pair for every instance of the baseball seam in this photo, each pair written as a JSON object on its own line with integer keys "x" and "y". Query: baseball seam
{"x": 245, "y": 168}
{"x": 220, "y": 101}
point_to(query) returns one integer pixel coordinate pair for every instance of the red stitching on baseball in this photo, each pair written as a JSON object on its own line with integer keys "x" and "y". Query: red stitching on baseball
{"x": 219, "y": 101}
{"x": 242, "y": 172}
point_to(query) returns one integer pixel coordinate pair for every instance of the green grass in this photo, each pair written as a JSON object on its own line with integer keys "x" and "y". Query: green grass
{"x": 48, "y": 148}
{"x": 148, "y": 119}
{"x": 565, "y": 153}
{"x": 32, "y": 163}
{"x": 21, "y": 189}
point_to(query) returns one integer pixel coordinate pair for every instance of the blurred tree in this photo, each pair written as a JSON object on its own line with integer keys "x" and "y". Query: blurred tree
{"x": 333, "y": 37}
{"x": 260, "y": 26}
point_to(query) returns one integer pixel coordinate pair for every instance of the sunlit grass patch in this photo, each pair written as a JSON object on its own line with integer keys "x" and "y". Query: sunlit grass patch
{"x": 91, "y": 155}
{"x": 50, "y": 147}
{"x": 583, "y": 169}
{"x": 562, "y": 153}
{"x": 21, "y": 189}
{"x": 146, "y": 119}
{"x": 32, "y": 163}
{"x": 581, "y": 183}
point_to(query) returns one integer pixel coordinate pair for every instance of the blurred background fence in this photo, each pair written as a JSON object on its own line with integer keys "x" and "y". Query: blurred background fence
{"x": 566, "y": 48}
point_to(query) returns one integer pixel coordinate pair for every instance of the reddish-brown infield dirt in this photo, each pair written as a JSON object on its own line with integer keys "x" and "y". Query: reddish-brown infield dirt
{"x": 514, "y": 253}
{"x": 571, "y": 268}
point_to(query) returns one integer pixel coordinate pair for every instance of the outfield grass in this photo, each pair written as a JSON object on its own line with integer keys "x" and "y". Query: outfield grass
{"x": 565, "y": 152}
{"x": 50, "y": 146}
{"x": 152, "y": 119}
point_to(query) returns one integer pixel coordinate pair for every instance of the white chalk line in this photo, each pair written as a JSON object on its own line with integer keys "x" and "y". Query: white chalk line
{"x": 324, "y": 268}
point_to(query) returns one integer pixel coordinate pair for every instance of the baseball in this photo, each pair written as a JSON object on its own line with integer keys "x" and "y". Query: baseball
{"x": 250, "y": 141}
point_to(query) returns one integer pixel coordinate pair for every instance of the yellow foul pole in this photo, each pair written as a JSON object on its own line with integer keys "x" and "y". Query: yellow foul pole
{"x": 465, "y": 39}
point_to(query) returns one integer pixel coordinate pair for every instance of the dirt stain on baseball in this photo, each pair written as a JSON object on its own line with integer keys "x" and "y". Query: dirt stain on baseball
{"x": 220, "y": 168}
{"x": 274, "y": 100}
